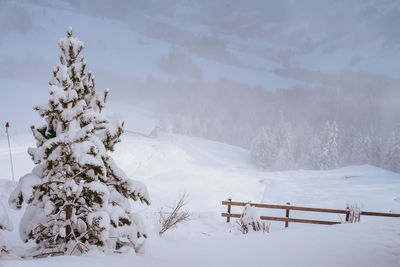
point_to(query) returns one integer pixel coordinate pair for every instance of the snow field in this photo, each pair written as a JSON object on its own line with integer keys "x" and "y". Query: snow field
{"x": 211, "y": 172}
{"x": 366, "y": 244}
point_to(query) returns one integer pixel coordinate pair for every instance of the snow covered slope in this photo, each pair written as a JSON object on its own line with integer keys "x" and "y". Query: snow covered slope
{"x": 208, "y": 171}
{"x": 211, "y": 172}
{"x": 174, "y": 163}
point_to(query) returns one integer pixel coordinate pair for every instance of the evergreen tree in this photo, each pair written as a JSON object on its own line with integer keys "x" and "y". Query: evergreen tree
{"x": 376, "y": 151}
{"x": 392, "y": 158}
{"x": 314, "y": 154}
{"x": 183, "y": 125}
{"x": 283, "y": 146}
{"x": 362, "y": 149}
{"x": 329, "y": 152}
{"x": 272, "y": 148}
{"x": 346, "y": 148}
{"x": 76, "y": 196}
{"x": 302, "y": 145}
{"x": 261, "y": 149}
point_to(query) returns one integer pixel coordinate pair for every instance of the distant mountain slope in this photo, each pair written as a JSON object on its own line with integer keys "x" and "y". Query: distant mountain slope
{"x": 258, "y": 43}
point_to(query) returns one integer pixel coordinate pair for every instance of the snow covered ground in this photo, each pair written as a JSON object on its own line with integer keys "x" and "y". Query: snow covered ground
{"x": 211, "y": 172}
{"x": 364, "y": 244}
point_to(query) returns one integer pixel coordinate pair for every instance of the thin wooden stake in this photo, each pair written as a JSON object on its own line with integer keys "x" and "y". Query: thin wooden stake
{"x": 9, "y": 149}
{"x": 287, "y": 216}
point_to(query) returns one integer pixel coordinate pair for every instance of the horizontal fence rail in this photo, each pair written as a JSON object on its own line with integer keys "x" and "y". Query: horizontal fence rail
{"x": 283, "y": 207}
{"x": 287, "y": 207}
{"x": 269, "y": 218}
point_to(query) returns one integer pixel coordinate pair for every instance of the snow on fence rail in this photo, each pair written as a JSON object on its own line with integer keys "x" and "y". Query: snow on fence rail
{"x": 287, "y": 207}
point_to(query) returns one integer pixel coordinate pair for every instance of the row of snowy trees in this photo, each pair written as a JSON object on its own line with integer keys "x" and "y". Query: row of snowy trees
{"x": 76, "y": 197}
{"x": 234, "y": 113}
{"x": 286, "y": 147}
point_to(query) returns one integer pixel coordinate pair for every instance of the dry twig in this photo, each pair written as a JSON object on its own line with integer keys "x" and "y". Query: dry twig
{"x": 170, "y": 220}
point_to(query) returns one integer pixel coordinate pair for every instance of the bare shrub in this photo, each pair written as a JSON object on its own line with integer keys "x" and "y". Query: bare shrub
{"x": 250, "y": 220}
{"x": 255, "y": 226}
{"x": 171, "y": 219}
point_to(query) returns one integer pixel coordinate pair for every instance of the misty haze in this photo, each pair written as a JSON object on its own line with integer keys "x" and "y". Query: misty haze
{"x": 125, "y": 125}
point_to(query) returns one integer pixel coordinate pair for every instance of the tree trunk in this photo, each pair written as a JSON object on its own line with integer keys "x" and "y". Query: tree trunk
{"x": 68, "y": 211}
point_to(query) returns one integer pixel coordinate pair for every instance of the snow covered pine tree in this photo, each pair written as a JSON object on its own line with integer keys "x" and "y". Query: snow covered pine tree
{"x": 77, "y": 198}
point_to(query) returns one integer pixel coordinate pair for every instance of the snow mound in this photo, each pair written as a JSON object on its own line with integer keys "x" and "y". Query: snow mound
{"x": 5, "y": 223}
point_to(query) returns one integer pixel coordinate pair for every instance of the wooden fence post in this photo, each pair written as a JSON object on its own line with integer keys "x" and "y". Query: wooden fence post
{"x": 287, "y": 216}
{"x": 228, "y": 219}
{"x": 347, "y": 214}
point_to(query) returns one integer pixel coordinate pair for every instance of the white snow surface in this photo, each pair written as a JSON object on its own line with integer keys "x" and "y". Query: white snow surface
{"x": 210, "y": 172}
{"x": 5, "y": 222}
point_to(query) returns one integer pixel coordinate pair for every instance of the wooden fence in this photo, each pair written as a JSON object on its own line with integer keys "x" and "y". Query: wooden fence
{"x": 287, "y": 207}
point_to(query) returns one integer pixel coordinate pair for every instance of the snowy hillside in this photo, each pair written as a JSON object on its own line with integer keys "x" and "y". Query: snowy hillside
{"x": 247, "y": 45}
{"x": 173, "y": 163}
{"x": 211, "y": 172}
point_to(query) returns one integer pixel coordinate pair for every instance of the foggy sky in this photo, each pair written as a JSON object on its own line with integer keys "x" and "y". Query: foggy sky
{"x": 131, "y": 44}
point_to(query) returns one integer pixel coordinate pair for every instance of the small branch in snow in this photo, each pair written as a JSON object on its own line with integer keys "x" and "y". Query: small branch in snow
{"x": 170, "y": 220}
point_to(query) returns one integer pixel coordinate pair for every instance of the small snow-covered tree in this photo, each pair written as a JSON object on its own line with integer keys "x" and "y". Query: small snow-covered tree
{"x": 329, "y": 148}
{"x": 314, "y": 154}
{"x": 182, "y": 125}
{"x": 5, "y": 224}
{"x": 261, "y": 149}
{"x": 376, "y": 151}
{"x": 346, "y": 147}
{"x": 392, "y": 157}
{"x": 362, "y": 149}
{"x": 302, "y": 145}
{"x": 76, "y": 196}
{"x": 250, "y": 221}
{"x": 283, "y": 143}
{"x": 273, "y": 147}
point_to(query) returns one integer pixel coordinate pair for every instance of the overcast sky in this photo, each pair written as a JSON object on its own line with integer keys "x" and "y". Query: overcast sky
{"x": 131, "y": 44}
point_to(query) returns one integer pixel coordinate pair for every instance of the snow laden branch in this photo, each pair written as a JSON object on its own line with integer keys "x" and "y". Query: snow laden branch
{"x": 77, "y": 198}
